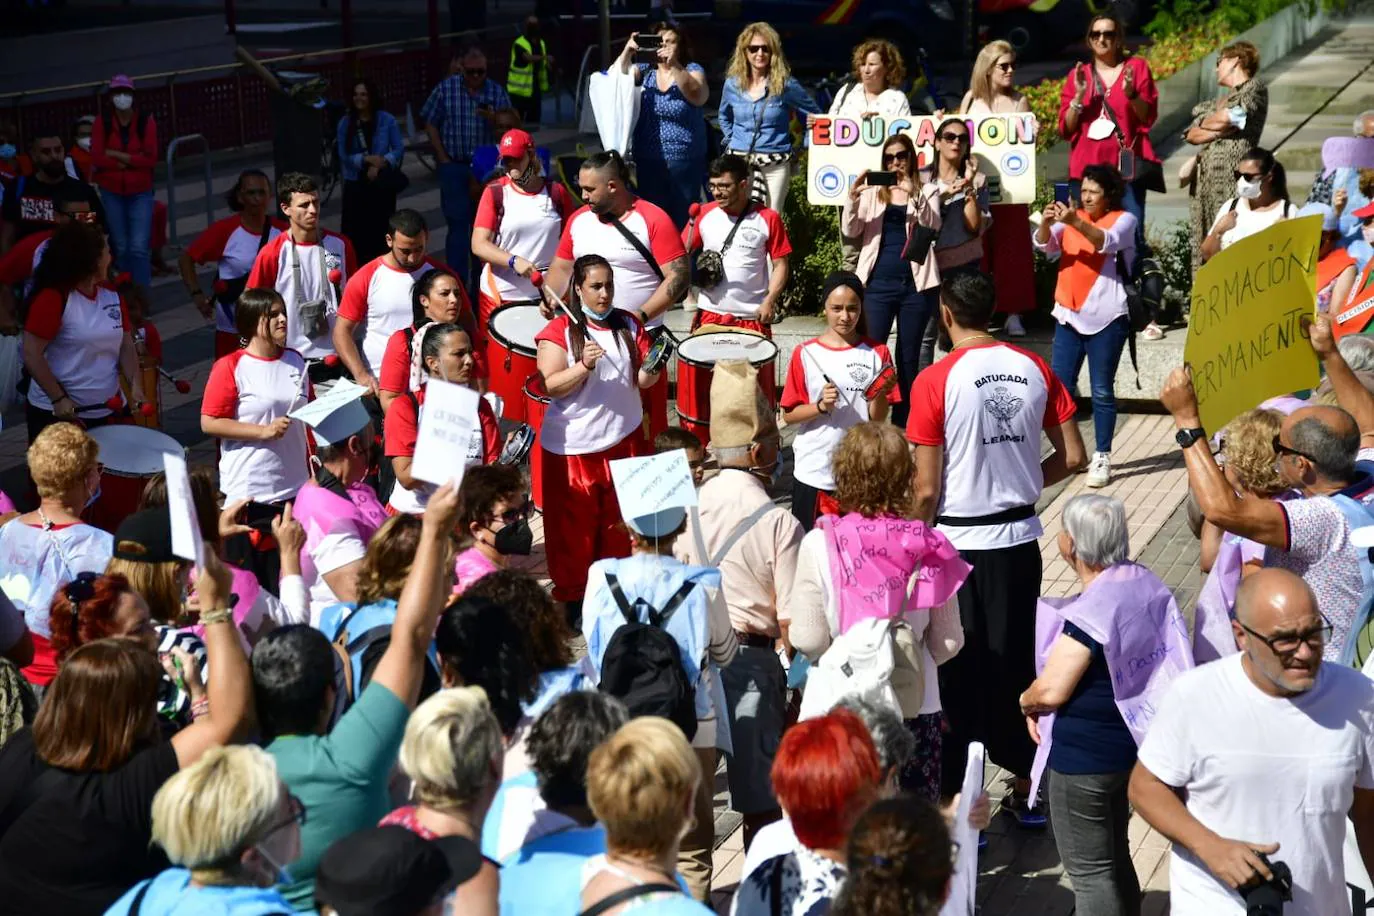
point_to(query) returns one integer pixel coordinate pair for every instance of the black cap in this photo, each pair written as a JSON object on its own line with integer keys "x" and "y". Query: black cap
{"x": 145, "y": 537}
{"x": 842, "y": 278}
{"x": 390, "y": 871}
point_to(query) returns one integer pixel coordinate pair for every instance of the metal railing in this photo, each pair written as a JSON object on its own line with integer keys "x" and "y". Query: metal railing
{"x": 172, "y": 183}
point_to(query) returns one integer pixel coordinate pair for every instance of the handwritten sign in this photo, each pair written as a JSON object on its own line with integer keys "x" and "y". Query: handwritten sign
{"x": 646, "y": 485}
{"x": 447, "y": 419}
{"x": 841, "y": 148}
{"x": 186, "y": 539}
{"x": 964, "y": 882}
{"x": 1246, "y": 341}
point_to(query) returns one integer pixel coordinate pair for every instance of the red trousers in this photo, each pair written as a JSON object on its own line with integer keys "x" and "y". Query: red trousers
{"x": 704, "y": 316}
{"x": 655, "y": 402}
{"x": 581, "y": 514}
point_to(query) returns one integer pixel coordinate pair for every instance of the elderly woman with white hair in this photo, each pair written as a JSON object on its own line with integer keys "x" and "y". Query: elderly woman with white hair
{"x": 230, "y": 827}
{"x": 1104, "y": 656}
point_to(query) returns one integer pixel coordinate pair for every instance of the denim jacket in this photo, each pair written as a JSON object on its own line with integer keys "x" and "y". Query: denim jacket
{"x": 386, "y": 141}
{"x": 739, "y": 115}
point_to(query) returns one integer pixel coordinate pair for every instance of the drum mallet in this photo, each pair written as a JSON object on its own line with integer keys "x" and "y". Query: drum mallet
{"x": 182, "y": 386}
{"x": 537, "y": 279}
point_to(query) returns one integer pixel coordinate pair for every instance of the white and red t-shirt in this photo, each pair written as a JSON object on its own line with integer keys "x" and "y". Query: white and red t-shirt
{"x": 20, "y": 263}
{"x": 251, "y": 389}
{"x": 233, "y": 249}
{"x": 378, "y": 298}
{"x": 524, "y": 224}
{"x": 606, "y": 407}
{"x": 272, "y": 269}
{"x": 760, "y": 237}
{"x": 852, "y": 369}
{"x": 986, "y": 406}
{"x": 84, "y": 336}
{"x": 635, "y": 279}
{"x": 403, "y": 429}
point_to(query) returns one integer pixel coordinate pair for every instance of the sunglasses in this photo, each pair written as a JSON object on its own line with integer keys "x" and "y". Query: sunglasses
{"x": 1006, "y": 68}
{"x": 511, "y": 516}
{"x": 760, "y": 49}
{"x": 1102, "y": 34}
{"x": 475, "y": 71}
{"x": 899, "y": 156}
{"x": 954, "y": 138}
{"x": 1248, "y": 176}
{"x": 1280, "y": 449}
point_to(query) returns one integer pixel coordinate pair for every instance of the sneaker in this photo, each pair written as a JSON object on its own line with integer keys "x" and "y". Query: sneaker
{"x": 1152, "y": 332}
{"x": 1018, "y": 806}
{"x": 1100, "y": 470}
{"x": 1013, "y": 327}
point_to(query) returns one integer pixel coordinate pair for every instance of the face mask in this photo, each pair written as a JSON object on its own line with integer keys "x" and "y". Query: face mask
{"x": 94, "y": 498}
{"x": 530, "y": 175}
{"x": 1249, "y": 190}
{"x": 514, "y": 540}
{"x": 1100, "y": 129}
{"x": 282, "y": 873}
{"x": 594, "y": 314}
{"x": 7, "y": 151}
{"x": 122, "y": 102}
{"x": 83, "y": 142}
{"x": 774, "y": 474}
{"x": 53, "y": 169}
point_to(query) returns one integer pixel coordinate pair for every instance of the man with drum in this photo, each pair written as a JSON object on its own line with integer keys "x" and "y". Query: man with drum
{"x": 519, "y": 220}
{"x": 644, "y": 250}
{"x": 377, "y": 302}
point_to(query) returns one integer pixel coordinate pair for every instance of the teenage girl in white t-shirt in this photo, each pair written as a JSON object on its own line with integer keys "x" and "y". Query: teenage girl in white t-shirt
{"x": 1261, "y": 201}
{"x": 828, "y": 390}
{"x": 592, "y": 371}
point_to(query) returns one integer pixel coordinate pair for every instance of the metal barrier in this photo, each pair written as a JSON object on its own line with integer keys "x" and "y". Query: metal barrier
{"x": 172, "y": 183}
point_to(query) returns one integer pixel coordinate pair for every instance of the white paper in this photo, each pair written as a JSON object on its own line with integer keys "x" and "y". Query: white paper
{"x": 447, "y": 420}
{"x": 186, "y": 540}
{"x": 646, "y": 485}
{"x": 964, "y": 882}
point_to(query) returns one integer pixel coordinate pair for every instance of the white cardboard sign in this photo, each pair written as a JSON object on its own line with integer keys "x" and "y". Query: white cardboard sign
{"x": 447, "y": 419}
{"x": 186, "y": 540}
{"x": 646, "y": 485}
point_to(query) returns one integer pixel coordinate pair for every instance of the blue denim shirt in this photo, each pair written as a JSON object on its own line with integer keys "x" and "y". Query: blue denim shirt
{"x": 740, "y": 116}
{"x": 386, "y": 141}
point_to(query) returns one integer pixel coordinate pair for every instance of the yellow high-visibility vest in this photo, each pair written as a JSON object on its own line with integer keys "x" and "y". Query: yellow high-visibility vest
{"x": 520, "y": 79}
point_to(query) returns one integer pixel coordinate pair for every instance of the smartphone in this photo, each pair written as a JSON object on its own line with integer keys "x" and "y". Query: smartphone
{"x": 1061, "y": 192}
{"x": 259, "y": 516}
{"x": 648, "y": 48}
{"x": 885, "y": 374}
{"x": 881, "y": 179}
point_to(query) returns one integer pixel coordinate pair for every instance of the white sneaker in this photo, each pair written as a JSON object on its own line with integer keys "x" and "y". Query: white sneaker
{"x": 1100, "y": 470}
{"x": 1013, "y": 327}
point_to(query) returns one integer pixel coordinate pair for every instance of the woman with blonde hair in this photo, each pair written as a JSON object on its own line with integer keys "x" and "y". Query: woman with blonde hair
{"x": 452, "y": 752}
{"x": 640, "y": 785}
{"x": 1007, "y": 252}
{"x": 914, "y": 573}
{"x": 229, "y": 827}
{"x": 756, "y": 107}
{"x": 875, "y": 83}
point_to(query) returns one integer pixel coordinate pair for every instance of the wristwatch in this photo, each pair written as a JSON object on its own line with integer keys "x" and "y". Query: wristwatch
{"x": 1186, "y": 437}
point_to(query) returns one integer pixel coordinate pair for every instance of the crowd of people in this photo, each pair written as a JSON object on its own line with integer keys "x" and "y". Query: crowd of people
{"x": 361, "y": 698}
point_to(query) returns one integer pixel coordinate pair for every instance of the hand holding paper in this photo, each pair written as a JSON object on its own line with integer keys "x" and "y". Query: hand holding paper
{"x": 447, "y": 419}
{"x": 648, "y": 485}
{"x": 181, "y": 510}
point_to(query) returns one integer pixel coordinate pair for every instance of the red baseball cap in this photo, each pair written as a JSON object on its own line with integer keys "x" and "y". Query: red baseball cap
{"x": 1364, "y": 212}
{"x": 516, "y": 143}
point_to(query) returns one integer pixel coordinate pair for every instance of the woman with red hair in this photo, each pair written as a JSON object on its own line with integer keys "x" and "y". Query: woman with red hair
{"x": 825, "y": 774}
{"x": 92, "y": 607}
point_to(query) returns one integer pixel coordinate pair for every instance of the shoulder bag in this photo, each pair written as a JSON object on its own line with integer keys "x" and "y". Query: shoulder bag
{"x": 1128, "y": 164}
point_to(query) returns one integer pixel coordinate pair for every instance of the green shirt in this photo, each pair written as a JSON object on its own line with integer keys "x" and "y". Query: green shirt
{"x": 341, "y": 778}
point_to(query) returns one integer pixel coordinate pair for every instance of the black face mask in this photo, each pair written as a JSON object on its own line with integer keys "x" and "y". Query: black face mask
{"x": 514, "y": 540}
{"x": 53, "y": 170}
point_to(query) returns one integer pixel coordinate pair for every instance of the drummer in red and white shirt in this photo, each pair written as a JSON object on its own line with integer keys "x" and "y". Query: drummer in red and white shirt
{"x": 377, "y": 301}
{"x": 309, "y": 266}
{"x": 77, "y": 335}
{"x": 837, "y": 380}
{"x": 447, "y": 354}
{"x": 519, "y": 220}
{"x": 755, "y": 263}
{"x": 263, "y": 455}
{"x": 592, "y": 373}
{"x": 18, "y": 265}
{"x": 231, "y": 244}
{"x": 437, "y": 297}
{"x": 644, "y": 289}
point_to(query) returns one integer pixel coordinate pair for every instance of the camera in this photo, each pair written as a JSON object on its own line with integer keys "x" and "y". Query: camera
{"x": 314, "y": 316}
{"x": 710, "y": 269}
{"x": 1266, "y": 898}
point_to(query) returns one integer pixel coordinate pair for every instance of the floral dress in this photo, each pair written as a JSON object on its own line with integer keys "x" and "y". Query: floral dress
{"x": 1213, "y": 178}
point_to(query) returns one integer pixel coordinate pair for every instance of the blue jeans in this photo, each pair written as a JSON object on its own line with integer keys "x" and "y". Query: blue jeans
{"x": 1133, "y": 202}
{"x": 673, "y": 185}
{"x": 1103, "y": 351}
{"x": 889, "y": 299}
{"x": 130, "y": 221}
{"x": 456, "y": 201}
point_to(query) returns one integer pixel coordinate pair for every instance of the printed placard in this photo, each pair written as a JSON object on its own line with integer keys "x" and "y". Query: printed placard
{"x": 181, "y": 509}
{"x": 447, "y": 419}
{"x": 646, "y": 485}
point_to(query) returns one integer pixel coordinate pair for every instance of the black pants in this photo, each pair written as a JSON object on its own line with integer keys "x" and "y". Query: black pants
{"x": 38, "y": 420}
{"x": 980, "y": 686}
{"x": 804, "y": 502}
{"x": 529, "y": 106}
{"x": 366, "y": 212}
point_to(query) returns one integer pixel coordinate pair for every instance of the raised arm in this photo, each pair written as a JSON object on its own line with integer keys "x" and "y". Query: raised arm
{"x": 1351, "y": 394}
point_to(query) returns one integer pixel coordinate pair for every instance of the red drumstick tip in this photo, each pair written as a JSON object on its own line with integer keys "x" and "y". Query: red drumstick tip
{"x": 114, "y": 402}
{"x": 183, "y": 386}
{"x": 147, "y": 410}
{"x": 331, "y": 360}
{"x": 536, "y": 278}
{"x": 335, "y": 275}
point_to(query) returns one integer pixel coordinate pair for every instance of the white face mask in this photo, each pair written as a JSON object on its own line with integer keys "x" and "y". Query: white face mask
{"x": 84, "y": 142}
{"x": 1247, "y": 189}
{"x": 1101, "y": 128}
{"x": 122, "y": 102}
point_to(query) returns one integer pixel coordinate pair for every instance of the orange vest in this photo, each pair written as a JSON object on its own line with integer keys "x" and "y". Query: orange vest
{"x": 1080, "y": 264}
{"x": 1355, "y": 315}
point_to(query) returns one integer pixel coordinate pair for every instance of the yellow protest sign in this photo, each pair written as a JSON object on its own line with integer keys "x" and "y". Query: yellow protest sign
{"x": 841, "y": 148}
{"x": 1246, "y": 341}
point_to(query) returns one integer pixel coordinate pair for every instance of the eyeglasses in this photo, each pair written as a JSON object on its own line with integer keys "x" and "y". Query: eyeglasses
{"x": 297, "y": 809}
{"x": 1006, "y": 68}
{"x": 475, "y": 71}
{"x": 1248, "y": 176}
{"x": 954, "y": 138}
{"x": 511, "y": 516}
{"x": 760, "y": 49}
{"x": 900, "y": 156}
{"x": 1284, "y": 645}
{"x": 1280, "y": 449}
{"x": 1102, "y": 34}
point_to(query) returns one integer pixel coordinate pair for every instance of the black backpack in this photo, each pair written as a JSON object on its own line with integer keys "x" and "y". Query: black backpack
{"x": 1144, "y": 285}
{"x": 643, "y": 664}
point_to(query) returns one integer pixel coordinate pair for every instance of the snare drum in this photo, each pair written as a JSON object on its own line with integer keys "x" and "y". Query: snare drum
{"x": 536, "y": 401}
{"x": 131, "y": 455}
{"x": 511, "y": 353}
{"x": 696, "y": 360}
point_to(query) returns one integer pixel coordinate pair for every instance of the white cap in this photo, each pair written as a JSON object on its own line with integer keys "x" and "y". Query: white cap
{"x": 336, "y": 415}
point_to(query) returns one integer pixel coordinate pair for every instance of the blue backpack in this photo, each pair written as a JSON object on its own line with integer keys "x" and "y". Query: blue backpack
{"x": 359, "y": 636}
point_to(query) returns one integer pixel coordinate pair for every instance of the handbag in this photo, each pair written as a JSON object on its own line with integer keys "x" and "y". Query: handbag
{"x": 1132, "y": 168}
{"x": 390, "y": 180}
{"x": 920, "y": 243}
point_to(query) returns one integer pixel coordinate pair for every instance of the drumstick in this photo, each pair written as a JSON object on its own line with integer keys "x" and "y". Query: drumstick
{"x": 827, "y": 378}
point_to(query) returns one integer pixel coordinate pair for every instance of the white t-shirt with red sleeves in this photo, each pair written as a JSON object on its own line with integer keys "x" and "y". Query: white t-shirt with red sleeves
{"x": 402, "y": 430}
{"x": 852, "y": 369}
{"x": 605, "y": 408}
{"x": 84, "y": 336}
{"x": 635, "y": 279}
{"x": 524, "y": 224}
{"x": 760, "y": 236}
{"x": 378, "y": 298}
{"x": 272, "y": 269}
{"x": 986, "y": 406}
{"x": 251, "y": 389}
{"x": 233, "y": 249}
